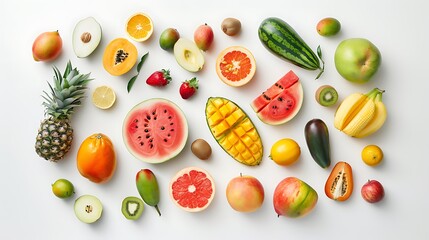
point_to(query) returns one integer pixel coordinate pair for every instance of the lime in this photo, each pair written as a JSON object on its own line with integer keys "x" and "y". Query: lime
{"x": 63, "y": 188}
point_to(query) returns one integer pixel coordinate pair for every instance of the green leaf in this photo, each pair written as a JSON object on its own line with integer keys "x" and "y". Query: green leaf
{"x": 139, "y": 66}
{"x": 131, "y": 82}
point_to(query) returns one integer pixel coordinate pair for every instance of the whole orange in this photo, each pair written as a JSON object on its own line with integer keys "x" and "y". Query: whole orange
{"x": 96, "y": 159}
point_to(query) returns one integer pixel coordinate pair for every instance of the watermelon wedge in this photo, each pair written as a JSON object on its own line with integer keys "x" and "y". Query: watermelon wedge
{"x": 280, "y": 102}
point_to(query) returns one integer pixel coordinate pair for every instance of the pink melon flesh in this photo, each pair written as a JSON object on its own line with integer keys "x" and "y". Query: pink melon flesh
{"x": 155, "y": 130}
{"x": 281, "y": 102}
{"x": 286, "y": 81}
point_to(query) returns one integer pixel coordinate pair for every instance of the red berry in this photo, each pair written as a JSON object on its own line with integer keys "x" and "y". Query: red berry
{"x": 188, "y": 88}
{"x": 159, "y": 78}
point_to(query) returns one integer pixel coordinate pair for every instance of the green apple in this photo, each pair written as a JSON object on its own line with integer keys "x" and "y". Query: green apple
{"x": 357, "y": 59}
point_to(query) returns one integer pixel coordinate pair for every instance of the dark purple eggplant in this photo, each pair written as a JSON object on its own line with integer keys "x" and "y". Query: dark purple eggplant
{"x": 317, "y": 138}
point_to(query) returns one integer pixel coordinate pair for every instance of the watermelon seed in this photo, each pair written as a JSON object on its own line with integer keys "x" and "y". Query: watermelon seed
{"x": 171, "y": 124}
{"x": 153, "y": 113}
{"x": 148, "y": 117}
{"x": 141, "y": 143}
{"x": 136, "y": 120}
{"x": 162, "y": 128}
{"x": 170, "y": 117}
{"x": 151, "y": 145}
{"x": 165, "y": 110}
{"x": 145, "y": 125}
{"x": 146, "y": 130}
{"x": 165, "y": 139}
{"x": 147, "y": 136}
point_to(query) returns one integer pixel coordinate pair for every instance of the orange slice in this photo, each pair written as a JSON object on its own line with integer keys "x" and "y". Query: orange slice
{"x": 139, "y": 27}
{"x": 235, "y": 66}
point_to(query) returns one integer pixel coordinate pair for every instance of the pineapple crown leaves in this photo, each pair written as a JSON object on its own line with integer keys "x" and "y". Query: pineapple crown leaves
{"x": 66, "y": 92}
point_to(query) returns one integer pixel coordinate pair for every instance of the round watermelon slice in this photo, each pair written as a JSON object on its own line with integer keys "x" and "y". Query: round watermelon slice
{"x": 155, "y": 130}
{"x": 192, "y": 189}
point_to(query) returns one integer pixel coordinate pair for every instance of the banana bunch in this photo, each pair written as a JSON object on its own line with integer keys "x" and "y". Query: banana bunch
{"x": 361, "y": 115}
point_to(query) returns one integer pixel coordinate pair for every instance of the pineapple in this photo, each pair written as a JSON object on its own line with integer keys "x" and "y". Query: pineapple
{"x": 55, "y": 134}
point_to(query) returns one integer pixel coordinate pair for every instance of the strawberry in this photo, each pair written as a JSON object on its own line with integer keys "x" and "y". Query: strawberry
{"x": 188, "y": 88}
{"x": 159, "y": 78}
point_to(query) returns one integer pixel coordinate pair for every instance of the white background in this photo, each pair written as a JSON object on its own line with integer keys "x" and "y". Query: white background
{"x": 29, "y": 210}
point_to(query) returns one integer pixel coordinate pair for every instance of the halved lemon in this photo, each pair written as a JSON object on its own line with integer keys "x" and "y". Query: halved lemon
{"x": 139, "y": 27}
{"x": 103, "y": 97}
{"x": 235, "y": 66}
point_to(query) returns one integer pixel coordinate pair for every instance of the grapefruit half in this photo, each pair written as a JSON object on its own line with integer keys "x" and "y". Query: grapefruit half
{"x": 192, "y": 189}
{"x": 235, "y": 66}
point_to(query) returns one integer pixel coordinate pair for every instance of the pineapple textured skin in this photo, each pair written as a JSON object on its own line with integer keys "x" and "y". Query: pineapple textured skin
{"x": 55, "y": 134}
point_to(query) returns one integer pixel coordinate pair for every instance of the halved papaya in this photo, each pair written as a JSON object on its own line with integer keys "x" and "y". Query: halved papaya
{"x": 119, "y": 56}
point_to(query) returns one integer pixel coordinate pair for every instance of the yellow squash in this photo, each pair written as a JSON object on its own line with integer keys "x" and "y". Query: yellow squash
{"x": 234, "y": 131}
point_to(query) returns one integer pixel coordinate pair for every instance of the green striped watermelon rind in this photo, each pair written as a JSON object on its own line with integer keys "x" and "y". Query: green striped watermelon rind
{"x": 282, "y": 40}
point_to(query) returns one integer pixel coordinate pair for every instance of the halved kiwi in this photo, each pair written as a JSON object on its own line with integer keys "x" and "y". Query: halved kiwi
{"x": 132, "y": 207}
{"x": 88, "y": 208}
{"x": 326, "y": 95}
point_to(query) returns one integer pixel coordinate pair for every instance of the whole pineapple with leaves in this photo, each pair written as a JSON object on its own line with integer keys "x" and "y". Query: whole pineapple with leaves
{"x": 55, "y": 134}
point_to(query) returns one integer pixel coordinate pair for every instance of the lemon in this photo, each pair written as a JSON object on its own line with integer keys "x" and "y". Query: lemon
{"x": 372, "y": 155}
{"x": 285, "y": 152}
{"x": 103, "y": 97}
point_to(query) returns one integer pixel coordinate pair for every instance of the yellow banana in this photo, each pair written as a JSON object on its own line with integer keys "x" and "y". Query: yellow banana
{"x": 377, "y": 121}
{"x": 345, "y": 111}
{"x": 361, "y": 119}
{"x": 357, "y": 115}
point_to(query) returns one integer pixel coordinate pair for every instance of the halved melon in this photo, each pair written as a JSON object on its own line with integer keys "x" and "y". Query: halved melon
{"x": 119, "y": 56}
{"x": 281, "y": 102}
{"x": 155, "y": 130}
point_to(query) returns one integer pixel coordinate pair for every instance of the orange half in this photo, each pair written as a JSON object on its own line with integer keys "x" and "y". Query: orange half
{"x": 139, "y": 27}
{"x": 235, "y": 66}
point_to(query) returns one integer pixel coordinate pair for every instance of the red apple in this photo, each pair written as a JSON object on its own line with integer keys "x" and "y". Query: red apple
{"x": 47, "y": 46}
{"x": 203, "y": 37}
{"x": 245, "y": 193}
{"x": 372, "y": 191}
{"x": 294, "y": 198}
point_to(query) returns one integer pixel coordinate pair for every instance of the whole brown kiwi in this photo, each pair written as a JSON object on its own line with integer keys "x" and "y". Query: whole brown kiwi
{"x": 231, "y": 26}
{"x": 201, "y": 149}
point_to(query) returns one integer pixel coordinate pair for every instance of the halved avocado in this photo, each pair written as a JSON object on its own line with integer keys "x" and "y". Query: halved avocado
{"x": 86, "y": 37}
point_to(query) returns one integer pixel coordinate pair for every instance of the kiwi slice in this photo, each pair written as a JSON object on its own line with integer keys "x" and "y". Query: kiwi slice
{"x": 326, "y": 95}
{"x": 88, "y": 208}
{"x": 132, "y": 207}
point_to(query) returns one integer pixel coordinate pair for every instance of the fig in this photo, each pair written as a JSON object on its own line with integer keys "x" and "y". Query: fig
{"x": 328, "y": 27}
{"x": 47, "y": 46}
{"x": 231, "y": 26}
{"x": 168, "y": 38}
{"x": 203, "y": 37}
